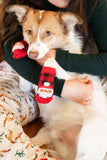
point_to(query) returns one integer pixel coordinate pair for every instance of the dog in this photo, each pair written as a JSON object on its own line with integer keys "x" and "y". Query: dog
{"x": 45, "y": 30}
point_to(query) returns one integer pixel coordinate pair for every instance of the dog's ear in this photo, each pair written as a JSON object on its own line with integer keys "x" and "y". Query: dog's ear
{"x": 19, "y": 10}
{"x": 70, "y": 19}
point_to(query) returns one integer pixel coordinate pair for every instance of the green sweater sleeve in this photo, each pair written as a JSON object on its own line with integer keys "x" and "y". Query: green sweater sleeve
{"x": 95, "y": 64}
{"x": 92, "y": 64}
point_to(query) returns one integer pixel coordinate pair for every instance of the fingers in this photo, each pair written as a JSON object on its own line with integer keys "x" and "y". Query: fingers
{"x": 87, "y": 100}
{"x": 89, "y": 84}
{"x": 85, "y": 103}
{"x": 89, "y": 91}
{"x": 87, "y": 80}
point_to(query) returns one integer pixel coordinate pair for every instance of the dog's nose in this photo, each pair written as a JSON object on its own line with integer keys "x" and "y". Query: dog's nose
{"x": 33, "y": 54}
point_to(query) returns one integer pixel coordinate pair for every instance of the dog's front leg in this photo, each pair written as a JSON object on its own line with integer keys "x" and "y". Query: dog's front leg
{"x": 43, "y": 137}
{"x": 60, "y": 72}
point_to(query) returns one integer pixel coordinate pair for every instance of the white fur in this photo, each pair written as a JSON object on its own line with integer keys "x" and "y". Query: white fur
{"x": 61, "y": 113}
{"x": 76, "y": 43}
{"x": 41, "y": 12}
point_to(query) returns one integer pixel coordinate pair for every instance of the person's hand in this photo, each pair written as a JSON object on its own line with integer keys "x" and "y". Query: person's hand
{"x": 68, "y": 137}
{"x": 50, "y": 54}
{"x": 60, "y": 3}
{"x": 78, "y": 90}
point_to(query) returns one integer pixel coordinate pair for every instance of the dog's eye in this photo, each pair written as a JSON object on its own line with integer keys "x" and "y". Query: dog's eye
{"x": 47, "y": 33}
{"x": 29, "y": 32}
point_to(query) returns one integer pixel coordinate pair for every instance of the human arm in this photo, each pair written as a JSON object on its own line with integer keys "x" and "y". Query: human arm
{"x": 30, "y": 70}
{"x": 92, "y": 63}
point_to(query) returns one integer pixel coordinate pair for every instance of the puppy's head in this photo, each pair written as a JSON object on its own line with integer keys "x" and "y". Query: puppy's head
{"x": 45, "y": 30}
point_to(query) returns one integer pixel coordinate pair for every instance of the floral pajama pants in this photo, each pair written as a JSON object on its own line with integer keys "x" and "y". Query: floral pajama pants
{"x": 16, "y": 109}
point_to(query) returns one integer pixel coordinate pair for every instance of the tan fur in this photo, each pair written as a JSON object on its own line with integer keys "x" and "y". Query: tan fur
{"x": 33, "y": 24}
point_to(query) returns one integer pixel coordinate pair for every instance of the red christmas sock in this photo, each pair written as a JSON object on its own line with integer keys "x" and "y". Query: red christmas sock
{"x": 20, "y": 49}
{"x": 46, "y": 85}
